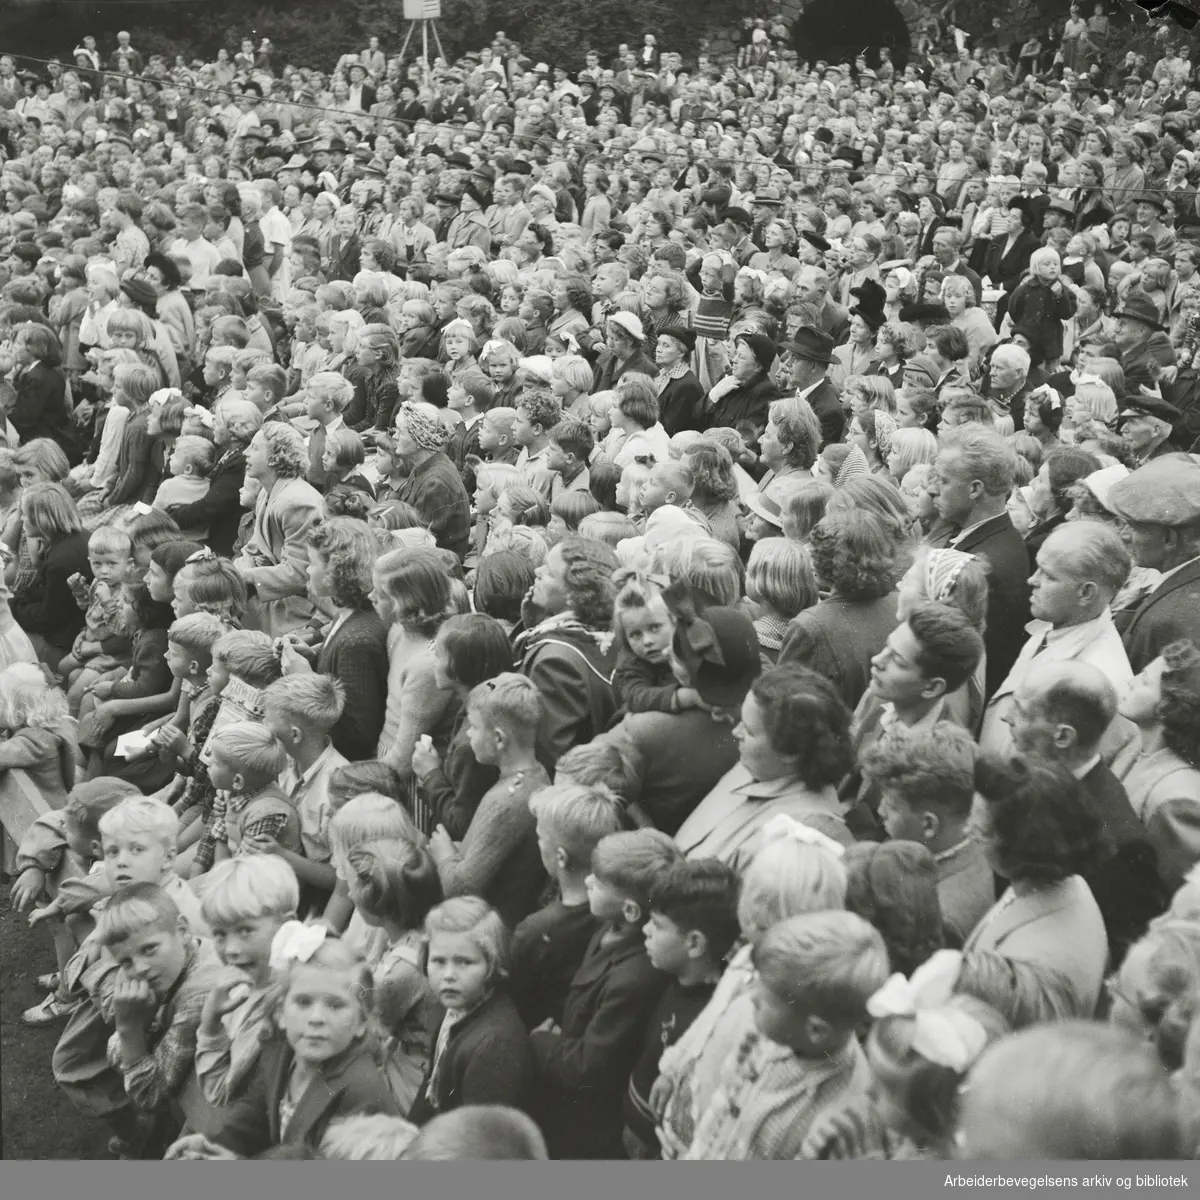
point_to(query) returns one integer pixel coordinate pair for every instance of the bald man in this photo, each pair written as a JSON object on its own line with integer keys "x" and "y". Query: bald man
{"x": 1061, "y": 712}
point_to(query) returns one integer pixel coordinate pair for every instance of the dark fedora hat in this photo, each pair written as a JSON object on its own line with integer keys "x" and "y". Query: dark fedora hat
{"x": 812, "y": 344}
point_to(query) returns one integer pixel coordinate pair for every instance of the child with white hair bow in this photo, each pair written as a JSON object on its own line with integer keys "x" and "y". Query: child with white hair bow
{"x": 924, "y": 1039}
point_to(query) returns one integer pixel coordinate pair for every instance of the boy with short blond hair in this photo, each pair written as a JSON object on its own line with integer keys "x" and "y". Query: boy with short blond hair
{"x": 584, "y": 1066}
{"x": 300, "y": 711}
{"x": 549, "y": 945}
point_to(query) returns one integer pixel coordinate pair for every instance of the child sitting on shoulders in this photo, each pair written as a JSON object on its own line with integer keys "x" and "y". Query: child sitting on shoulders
{"x": 190, "y": 465}
{"x": 247, "y": 901}
{"x": 393, "y": 886}
{"x": 548, "y": 945}
{"x": 815, "y": 974}
{"x": 59, "y": 867}
{"x": 481, "y": 1053}
{"x": 692, "y": 928}
{"x": 164, "y": 975}
{"x": 300, "y": 710}
{"x": 104, "y": 643}
{"x": 643, "y": 628}
{"x": 584, "y": 1066}
{"x": 498, "y": 856}
{"x": 246, "y": 761}
{"x": 318, "y": 1068}
{"x": 779, "y": 585}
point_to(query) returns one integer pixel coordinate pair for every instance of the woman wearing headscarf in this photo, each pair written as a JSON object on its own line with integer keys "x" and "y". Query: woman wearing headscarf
{"x": 433, "y": 485}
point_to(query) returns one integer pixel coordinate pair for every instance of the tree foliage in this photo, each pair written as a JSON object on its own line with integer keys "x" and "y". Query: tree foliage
{"x": 315, "y": 33}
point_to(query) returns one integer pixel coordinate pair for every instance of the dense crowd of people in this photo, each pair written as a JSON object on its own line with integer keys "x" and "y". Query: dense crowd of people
{"x": 640, "y": 613}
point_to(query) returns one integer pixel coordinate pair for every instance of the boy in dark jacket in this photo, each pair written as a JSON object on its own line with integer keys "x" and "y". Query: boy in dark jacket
{"x": 584, "y": 1067}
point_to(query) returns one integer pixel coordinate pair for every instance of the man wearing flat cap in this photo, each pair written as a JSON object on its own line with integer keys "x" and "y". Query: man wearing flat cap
{"x": 1160, "y": 503}
{"x": 741, "y": 400}
{"x": 1146, "y": 424}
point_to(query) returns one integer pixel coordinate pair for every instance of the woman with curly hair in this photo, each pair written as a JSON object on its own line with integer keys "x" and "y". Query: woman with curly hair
{"x": 567, "y": 644}
{"x": 1040, "y": 951}
{"x": 714, "y": 488}
{"x": 793, "y": 747}
{"x": 573, "y": 302}
{"x": 353, "y": 645}
{"x": 274, "y": 561}
{"x": 665, "y": 296}
{"x": 1163, "y": 782}
{"x": 412, "y": 593}
{"x": 858, "y": 556}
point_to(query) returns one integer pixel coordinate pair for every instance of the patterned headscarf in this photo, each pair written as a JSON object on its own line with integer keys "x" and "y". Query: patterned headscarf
{"x": 855, "y": 465}
{"x": 423, "y": 425}
{"x": 942, "y": 569}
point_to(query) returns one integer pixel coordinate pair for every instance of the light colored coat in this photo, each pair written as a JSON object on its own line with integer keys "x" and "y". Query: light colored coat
{"x": 1165, "y": 793}
{"x": 275, "y": 559}
{"x": 1059, "y": 928}
{"x": 1096, "y": 642}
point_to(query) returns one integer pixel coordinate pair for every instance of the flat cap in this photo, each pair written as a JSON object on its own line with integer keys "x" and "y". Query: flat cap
{"x": 1166, "y": 491}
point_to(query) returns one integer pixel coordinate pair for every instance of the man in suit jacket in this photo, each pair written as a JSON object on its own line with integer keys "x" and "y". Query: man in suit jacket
{"x": 1161, "y": 504}
{"x": 811, "y": 351}
{"x": 970, "y": 483}
{"x": 1080, "y": 568}
{"x": 1062, "y": 713}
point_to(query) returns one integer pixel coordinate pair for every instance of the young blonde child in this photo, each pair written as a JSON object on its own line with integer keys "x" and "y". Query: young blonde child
{"x": 567, "y": 511}
{"x": 488, "y": 1060}
{"x": 240, "y": 663}
{"x": 104, "y": 643}
{"x": 363, "y": 817}
{"x": 498, "y": 857}
{"x": 600, "y": 409}
{"x": 393, "y": 886}
{"x": 549, "y": 944}
{"x": 779, "y": 584}
{"x": 584, "y": 1061}
{"x": 815, "y": 975}
{"x": 247, "y": 902}
{"x": 134, "y": 482}
{"x": 1072, "y": 1090}
{"x": 246, "y": 761}
{"x": 611, "y": 528}
{"x": 923, "y": 1041}
{"x": 59, "y": 869}
{"x": 300, "y": 710}
{"x": 218, "y": 374}
{"x": 479, "y": 1132}
{"x": 321, "y": 1064}
{"x": 793, "y": 872}
{"x": 368, "y": 1138}
{"x": 190, "y": 464}
{"x": 39, "y": 735}
{"x": 137, "y": 842}
{"x": 164, "y": 975}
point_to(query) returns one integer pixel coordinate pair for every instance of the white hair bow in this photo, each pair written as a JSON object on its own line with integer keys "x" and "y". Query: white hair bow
{"x": 295, "y": 943}
{"x": 165, "y": 394}
{"x": 493, "y": 345}
{"x": 203, "y": 415}
{"x": 783, "y": 826}
{"x": 943, "y": 1035}
{"x": 1079, "y": 378}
